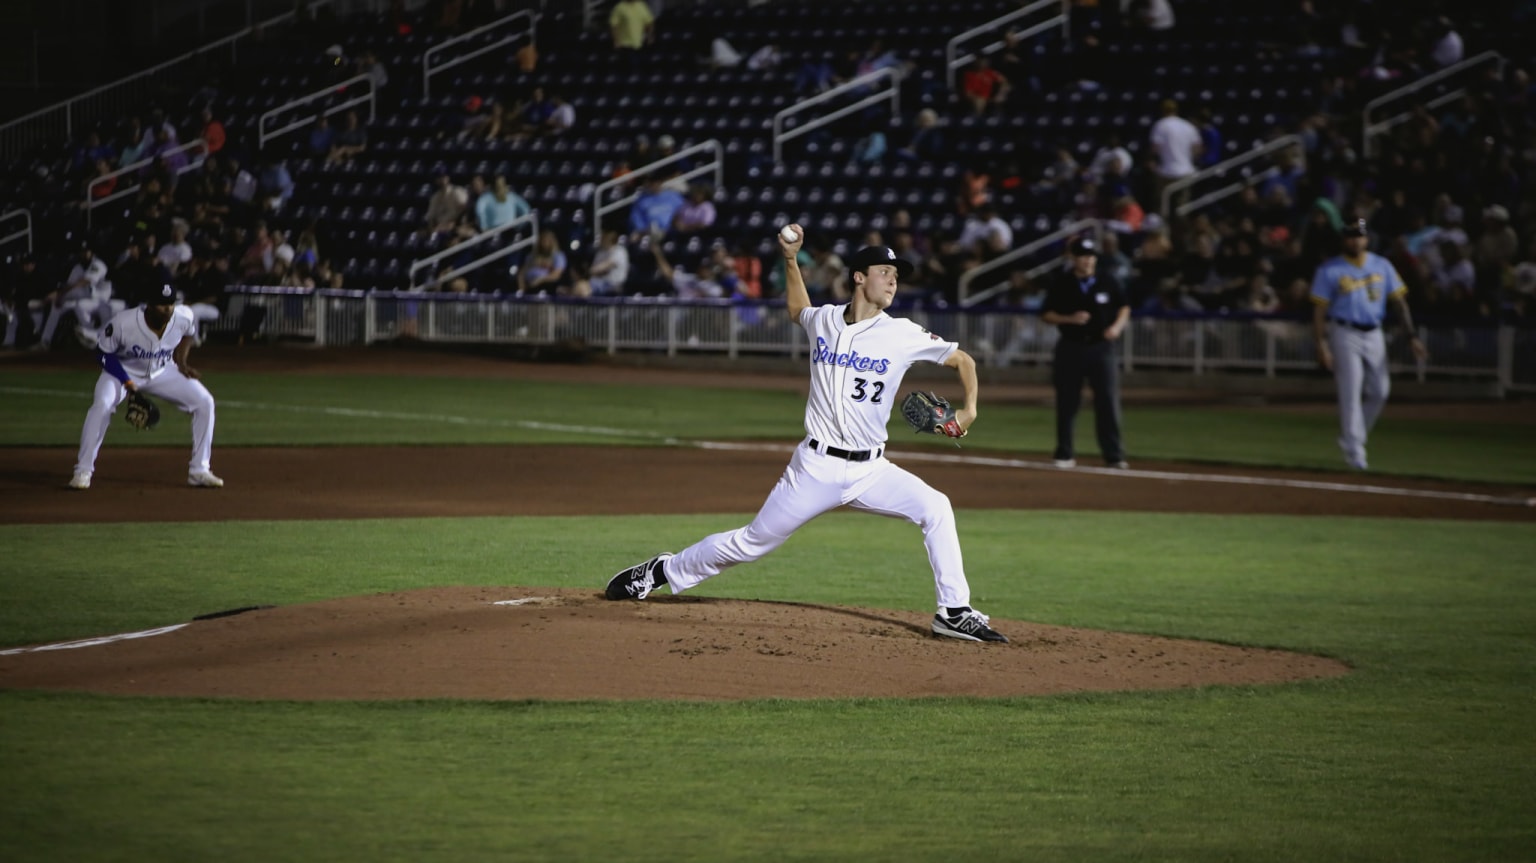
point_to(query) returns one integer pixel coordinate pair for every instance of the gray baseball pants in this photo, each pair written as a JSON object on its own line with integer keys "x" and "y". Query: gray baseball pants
{"x": 1360, "y": 370}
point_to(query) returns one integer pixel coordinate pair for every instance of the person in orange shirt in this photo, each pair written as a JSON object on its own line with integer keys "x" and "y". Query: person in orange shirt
{"x": 213, "y": 132}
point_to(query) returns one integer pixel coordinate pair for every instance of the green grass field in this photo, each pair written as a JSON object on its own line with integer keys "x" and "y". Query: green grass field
{"x": 1423, "y": 753}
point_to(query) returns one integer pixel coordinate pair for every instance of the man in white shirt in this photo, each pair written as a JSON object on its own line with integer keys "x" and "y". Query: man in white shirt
{"x": 84, "y": 293}
{"x": 610, "y": 266}
{"x": 177, "y": 251}
{"x": 986, "y": 234}
{"x": 1175, "y": 147}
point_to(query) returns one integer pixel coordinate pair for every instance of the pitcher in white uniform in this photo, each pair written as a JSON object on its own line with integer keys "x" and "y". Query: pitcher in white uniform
{"x": 858, "y": 358}
{"x": 145, "y": 349}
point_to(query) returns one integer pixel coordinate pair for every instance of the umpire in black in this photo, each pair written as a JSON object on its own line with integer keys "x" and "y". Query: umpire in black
{"x": 1090, "y": 310}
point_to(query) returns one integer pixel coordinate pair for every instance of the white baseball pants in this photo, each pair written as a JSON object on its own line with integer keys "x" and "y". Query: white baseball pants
{"x": 1360, "y": 371}
{"x": 814, "y": 483}
{"x": 185, "y": 393}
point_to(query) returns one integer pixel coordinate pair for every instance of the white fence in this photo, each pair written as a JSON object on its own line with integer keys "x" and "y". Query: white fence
{"x": 999, "y": 338}
{"x": 433, "y": 60}
{"x": 333, "y": 100}
{"x": 957, "y": 56}
{"x": 881, "y": 85}
{"x": 24, "y": 233}
{"x": 1371, "y": 129}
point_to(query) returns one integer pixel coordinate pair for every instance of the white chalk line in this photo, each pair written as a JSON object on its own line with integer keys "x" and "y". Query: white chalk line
{"x": 367, "y": 413}
{"x": 92, "y": 642}
{"x": 980, "y": 461}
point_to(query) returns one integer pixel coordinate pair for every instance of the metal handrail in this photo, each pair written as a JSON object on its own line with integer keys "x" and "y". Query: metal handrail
{"x": 24, "y": 232}
{"x": 1008, "y": 257}
{"x": 599, "y": 207}
{"x": 894, "y": 94}
{"x": 107, "y": 95}
{"x": 92, "y": 202}
{"x": 1280, "y": 143}
{"x": 531, "y": 220}
{"x": 371, "y": 97}
{"x": 1370, "y": 131}
{"x": 428, "y": 70}
{"x": 952, "y": 62}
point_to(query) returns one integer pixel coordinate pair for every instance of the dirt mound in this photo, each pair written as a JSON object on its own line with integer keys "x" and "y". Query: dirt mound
{"x": 551, "y": 643}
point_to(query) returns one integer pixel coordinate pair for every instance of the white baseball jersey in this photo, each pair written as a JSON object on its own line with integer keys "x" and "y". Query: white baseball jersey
{"x": 144, "y": 355}
{"x": 856, "y": 371}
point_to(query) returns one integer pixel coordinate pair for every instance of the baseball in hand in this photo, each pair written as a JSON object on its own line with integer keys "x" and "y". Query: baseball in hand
{"x": 789, "y": 234}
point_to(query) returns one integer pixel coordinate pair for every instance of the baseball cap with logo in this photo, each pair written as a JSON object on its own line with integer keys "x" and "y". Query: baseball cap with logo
{"x": 1355, "y": 228}
{"x": 1082, "y": 246}
{"x": 872, "y": 256}
{"x": 158, "y": 295}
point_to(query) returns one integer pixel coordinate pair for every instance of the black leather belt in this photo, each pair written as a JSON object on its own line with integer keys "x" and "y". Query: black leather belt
{"x": 860, "y": 455}
{"x": 1364, "y": 328}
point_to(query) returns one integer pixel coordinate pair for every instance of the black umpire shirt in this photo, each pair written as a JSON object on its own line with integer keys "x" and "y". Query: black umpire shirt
{"x": 1099, "y": 295}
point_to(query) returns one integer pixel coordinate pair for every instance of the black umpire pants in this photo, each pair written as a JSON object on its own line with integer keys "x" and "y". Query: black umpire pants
{"x": 1076, "y": 362}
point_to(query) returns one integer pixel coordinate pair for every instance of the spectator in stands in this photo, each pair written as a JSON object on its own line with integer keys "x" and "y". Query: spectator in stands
{"x": 351, "y": 141}
{"x": 765, "y": 58}
{"x": 825, "y": 277}
{"x": 1111, "y": 164}
{"x": 984, "y": 86}
{"x": 213, "y": 132}
{"x": 488, "y": 126}
{"x": 1154, "y": 16}
{"x": 133, "y": 142}
{"x": 749, "y": 271}
{"x": 1060, "y": 179}
{"x": 177, "y": 251}
{"x": 700, "y": 284}
{"x": 927, "y": 141}
{"x": 168, "y": 155}
{"x": 633, "y": 27}
{"x": 609, "y": 270}
{"x": 90, "y": 151}
{"x": 101, "y": 183}
{"x": 276, "y": 186}
{"x": 533, "y": 114}
{"x": 1175, "y": 147}
{"x": 500, "y": 205}
{"x": 544, "y": 269}
{"x": 256, "y": 261}
{"x": 1210, "y": 138}
{"x": 446, "y": 204}
{"x": 654, "y": 208}
{"x": 321, "y": 136}
{"x": 561, "y": 117}
{"x": 986, "y": 234}
{"x": 21, "y": 290}
{"x": 697, "y": 213}
{"x": 84, "y": 293}
{"x": 369, "y": 65}
{"x": 1498, "y": 246}
{"x": 1448, "y": 49}
{"x": 527, "y": 57}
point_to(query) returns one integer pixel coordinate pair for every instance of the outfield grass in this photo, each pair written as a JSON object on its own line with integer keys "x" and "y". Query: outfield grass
{"x": 46, "y": 408}
{"x": 1423, "y": 753}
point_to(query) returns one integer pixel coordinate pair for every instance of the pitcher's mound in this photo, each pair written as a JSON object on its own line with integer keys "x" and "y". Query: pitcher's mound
{"x": 554, "y": 643}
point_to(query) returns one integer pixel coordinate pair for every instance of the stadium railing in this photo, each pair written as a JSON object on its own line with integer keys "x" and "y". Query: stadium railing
{"x": 1220, "y": 171}
{"x": 957, "y": 57}
{"x": 58, "y": 122}
{"x": 1003, "y": 263}
{"x": 1484, "y": 353}
{"x": 25, "y": 233}
{"x": 716, "y": 166}
{"x": 198, "y": 146}
{"x": 339, "y": 92}
{"x": 1370, "y": 131}
{"x": 885, "y": 84}
{"x": 428, "y": 68}
{"x": 425, "y": 265}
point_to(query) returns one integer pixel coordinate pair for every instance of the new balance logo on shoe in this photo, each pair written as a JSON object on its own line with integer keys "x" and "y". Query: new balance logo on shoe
{"x": 638, "y": 581}
{"x": 968, "y": 625}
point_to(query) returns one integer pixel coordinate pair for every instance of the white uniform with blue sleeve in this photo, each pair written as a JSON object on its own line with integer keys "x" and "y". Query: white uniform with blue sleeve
{"x": 1355, "y": 294}
{"x": 130, "y": 349}
{"x": 856, "y": 371}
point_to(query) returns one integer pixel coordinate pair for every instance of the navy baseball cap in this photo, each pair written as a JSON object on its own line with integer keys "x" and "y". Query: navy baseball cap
{"x": 1082, "y": 246}
{"x": 159, "y": 295}
{"x": 1355, "y": 228}
{"x": 874, "y": 256}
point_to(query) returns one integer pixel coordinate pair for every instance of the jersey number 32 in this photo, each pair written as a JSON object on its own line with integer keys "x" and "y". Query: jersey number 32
{"x": 859, "y": 394}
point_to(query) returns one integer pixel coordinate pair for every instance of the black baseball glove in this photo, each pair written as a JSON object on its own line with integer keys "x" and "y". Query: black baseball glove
{"x": 931, "y": 413}
{"x": 141, "y": 413}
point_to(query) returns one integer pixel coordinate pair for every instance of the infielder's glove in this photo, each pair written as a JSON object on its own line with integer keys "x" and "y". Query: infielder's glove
{"x": 141, "y": 413}
{"x": 931, "y": 413}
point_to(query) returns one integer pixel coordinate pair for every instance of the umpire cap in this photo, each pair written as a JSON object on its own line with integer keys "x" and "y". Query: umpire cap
{"x": 873, "y": 256}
